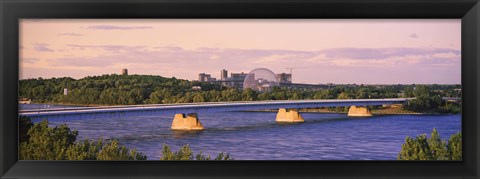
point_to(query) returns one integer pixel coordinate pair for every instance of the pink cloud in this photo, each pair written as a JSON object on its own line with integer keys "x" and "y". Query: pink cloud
{"x": 41, "y": 47}
{"x": 112, "y": 27}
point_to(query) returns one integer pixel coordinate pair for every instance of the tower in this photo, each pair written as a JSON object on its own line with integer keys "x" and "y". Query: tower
{"x": 223, "y": 75}
{"x": 124, "y": 71}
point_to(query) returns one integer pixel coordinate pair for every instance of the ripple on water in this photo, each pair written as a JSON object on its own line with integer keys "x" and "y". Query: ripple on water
{"x": 256, "y": 135}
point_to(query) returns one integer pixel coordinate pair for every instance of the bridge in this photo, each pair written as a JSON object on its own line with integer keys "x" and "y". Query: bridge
{"x": 287, "y": 110}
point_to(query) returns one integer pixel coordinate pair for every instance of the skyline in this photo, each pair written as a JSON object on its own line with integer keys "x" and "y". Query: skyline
{"x": 328, "y": 51}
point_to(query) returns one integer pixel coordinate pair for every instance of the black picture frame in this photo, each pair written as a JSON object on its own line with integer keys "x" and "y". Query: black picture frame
{"x": 12, "y": 10}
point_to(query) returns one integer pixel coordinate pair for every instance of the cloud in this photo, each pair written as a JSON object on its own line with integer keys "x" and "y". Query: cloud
{"x": 112, "y": 27}
{"x": 114, "y": 54}
{"x": 70, "y": 34}
{"x": 113, "y": 49}
{"x": 187, "y": 63}
{"x": 414, "y": 35}
{"x": 41, "y": 47}
{"x": 385, "y": 53}
{"x": 29, "y": 60}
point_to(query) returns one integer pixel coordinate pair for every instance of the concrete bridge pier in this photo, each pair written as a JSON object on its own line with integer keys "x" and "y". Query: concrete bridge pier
{"x": 187, "y": 123}
{"x": 290, "y": 115}
{"x": 360, "y": 111}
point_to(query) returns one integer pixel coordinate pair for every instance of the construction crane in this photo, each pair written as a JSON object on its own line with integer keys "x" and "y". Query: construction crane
{"x": 291, "y": 70}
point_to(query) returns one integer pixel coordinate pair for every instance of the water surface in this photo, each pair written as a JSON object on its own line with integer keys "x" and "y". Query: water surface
{"x": 256, "y": 135}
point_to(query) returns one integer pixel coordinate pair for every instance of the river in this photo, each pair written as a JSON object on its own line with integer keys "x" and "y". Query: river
{"x": 256, "y": 135}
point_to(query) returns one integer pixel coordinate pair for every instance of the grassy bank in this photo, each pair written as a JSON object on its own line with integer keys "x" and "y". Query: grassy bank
{"x": 393, "y": 110}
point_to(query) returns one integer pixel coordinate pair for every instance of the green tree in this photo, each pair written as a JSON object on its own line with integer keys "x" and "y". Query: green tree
{"x": 433, "y": 148}
{"x": 437, "y": 146}
{"x": 186, "y": 153}
{"x": 248, "y": 95}
{"x": 454, "y": 146}
{"x": 155, "y": 97}
{"x": 86, "y": 150}
{"x": 408, "y": 92}
{"x": 264, "y": 96}
{"x": 362, "y": 93}
{"x": 24, "y": 124}
{"x": 415, "y": 149}
{"x": 343, "y": 95}
{"x": 46, "y": 143}
{"x": 112, "y": 151}
{"x": 58, "y": 143}
{"x": 198, "y": 97}
{"x": 424, "y": 100}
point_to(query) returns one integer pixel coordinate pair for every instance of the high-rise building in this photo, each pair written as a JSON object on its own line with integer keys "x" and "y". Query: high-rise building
{"x": 284, "y": 78}
{"x": 203, "y": 77}
{"x": 224, "y": 75}
{"x": 124, "y": 71}
{"x": 237, "y": 79}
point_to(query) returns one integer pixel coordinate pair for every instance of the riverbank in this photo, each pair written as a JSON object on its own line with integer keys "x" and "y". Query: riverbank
{"x": 393, "y": 111}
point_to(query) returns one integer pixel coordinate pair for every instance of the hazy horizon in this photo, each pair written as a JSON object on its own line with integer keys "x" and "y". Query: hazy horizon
{"x": 324, "y": 51}
{"x": 300, "y": 83}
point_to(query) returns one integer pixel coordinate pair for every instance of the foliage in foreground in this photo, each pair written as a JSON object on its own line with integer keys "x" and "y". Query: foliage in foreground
{"x": 433, "y": 148}
{"x": 58, "y": 143}
{"x": 40, "y": 142}
{"x": 186, "y": 153}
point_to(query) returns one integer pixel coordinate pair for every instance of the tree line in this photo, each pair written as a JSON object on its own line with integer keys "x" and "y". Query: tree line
{"x": 147, "y": 89}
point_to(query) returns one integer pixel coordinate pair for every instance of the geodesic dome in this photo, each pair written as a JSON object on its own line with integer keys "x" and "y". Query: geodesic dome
{"x": 260, "y": 79}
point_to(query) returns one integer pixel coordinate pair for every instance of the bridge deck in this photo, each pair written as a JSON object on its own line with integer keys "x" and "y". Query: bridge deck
{"x": 170, "y": 109}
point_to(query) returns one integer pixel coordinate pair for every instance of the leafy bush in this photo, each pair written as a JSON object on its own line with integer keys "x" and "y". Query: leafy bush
{"x": 433, "y": 148}
{"x": 40, "y": 142}
{"x": 44, "y": 143}
{"x": 24, "y": 124}
{"x": 454, "y": 146}
{"x": 112, "y": 151}
{"x": 427, "y": 101}
{"x": 186, "y": 153}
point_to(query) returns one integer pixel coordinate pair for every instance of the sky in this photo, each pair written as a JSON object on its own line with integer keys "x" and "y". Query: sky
{"x": 373, "y": 51}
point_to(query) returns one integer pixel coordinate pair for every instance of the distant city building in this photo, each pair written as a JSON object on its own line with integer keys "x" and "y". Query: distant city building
{"x": 234, "y": 81}
{"x": 124, "y": 71}
{"x": 237, "y": 79}
{"x": 224, "y": 75}
{"x": 203, "y": 77}
{"x": 65, "y": 91}
{"x": 257, "y": 81}
{"x": 260, "y": 79}
{"x": 284, "y": 78}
